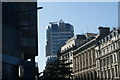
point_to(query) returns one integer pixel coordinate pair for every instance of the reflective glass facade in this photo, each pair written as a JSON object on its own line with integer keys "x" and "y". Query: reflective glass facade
{"x": 57, "y": 35}
{"x": 19, "y": 40}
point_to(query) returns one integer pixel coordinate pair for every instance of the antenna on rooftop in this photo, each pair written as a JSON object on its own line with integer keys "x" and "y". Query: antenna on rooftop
{"x": 61, "y": 21}
{"x": 86, "y": 29}
{"x": 81, "y": 31}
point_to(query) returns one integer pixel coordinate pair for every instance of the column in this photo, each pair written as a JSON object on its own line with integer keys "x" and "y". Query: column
{"x": 79, "y": 63}
{"x": 92, "y": 56}
{"x": 82, "y": 60}
{"x": 85, "y": 59}
{"x": 88, "y": 58}
{"x": 73, "y": 64}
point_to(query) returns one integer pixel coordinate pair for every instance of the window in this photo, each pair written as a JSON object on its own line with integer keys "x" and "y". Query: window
{"x": 55, "y": 45}
{"x": 111, "y": 59}
{"x": 98, "y": 64}
{"x": 107, "y": 38}
{"x": 65, "y": 34}
{"x": 115, "y": 60}
{"x": 110, "y": 36}
{"x": 100, "y": 53}
{"x": 114, "y": 46}
{"x": 116, "y": 71}
{"x": 54, "y": 34}
{"x": 111, "y": 47}
{"x": 54, "y": 41}
{"x": 54, "y": 37}
{"x": 54, "y": 48}
{"x": 101, "y": 63}
{"x": 107, "y": 60}
{"x": 105, "y": 74}
{"x": 71, "y": 54}
{"x": 107, "y": 50}
{"x": 119, "y": 44}
{"x": 102, "y": 74}
{"x": 96, "y": 54}
{"x": 104, "y": 61}
{"x": 113, "y": 73}
{"x": 109, "y": 73}
{"x": 114, "y": 34}
{"x": 54, "y": 52}
{"x": 104, "y": 51}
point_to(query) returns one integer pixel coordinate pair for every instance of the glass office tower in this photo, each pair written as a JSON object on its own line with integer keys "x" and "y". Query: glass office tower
{"x": 19, "y": 40}
{"x": 57, "y": 34}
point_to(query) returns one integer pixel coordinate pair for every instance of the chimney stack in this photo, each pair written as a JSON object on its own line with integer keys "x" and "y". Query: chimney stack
{"x": 104, "y": 30}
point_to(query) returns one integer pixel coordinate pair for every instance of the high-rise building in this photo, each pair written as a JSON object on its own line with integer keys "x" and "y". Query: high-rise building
{"x": 57, "y": 35}
{"x": 19, "y": 40}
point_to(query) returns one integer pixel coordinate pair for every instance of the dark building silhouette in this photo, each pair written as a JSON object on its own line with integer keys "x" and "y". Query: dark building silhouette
{"x": 19, "y": 40}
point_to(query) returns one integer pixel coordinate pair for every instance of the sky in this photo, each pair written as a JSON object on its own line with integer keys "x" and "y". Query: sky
{"x": 84, "y": 16}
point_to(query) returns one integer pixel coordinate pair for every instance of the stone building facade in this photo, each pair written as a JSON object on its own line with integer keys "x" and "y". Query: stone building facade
{"x": 84, "y": 57}
{"x": 69, "y": 47}
{"x": 96, "y": 57}
{"x": 108, "y": 56}
{"x": 84, "y": 61}
{"x": 70, "y": 52}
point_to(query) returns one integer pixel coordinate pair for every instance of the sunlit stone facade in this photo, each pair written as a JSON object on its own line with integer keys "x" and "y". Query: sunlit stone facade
{"x": 84, "y": 61}
{"x": 108, "y": 56}
{"x": 84, "y": 57}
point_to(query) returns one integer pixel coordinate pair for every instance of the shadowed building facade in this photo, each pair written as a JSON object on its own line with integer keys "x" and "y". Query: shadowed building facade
{"x": 19, "y": 40}
{"x": 68, "y": 49}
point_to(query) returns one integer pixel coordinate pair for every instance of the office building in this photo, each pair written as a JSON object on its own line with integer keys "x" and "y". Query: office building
{"x": 19, "y": 44}
{"x": 57, "y": 34}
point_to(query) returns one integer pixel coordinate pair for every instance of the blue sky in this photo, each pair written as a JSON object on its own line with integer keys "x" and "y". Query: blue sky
{"x": 84, "y": 16}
